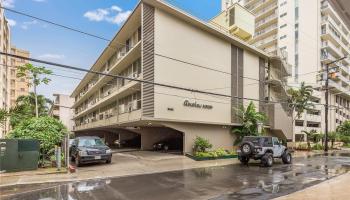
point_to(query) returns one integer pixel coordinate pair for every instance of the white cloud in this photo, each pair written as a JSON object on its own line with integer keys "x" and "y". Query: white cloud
{"x": 51, "y": 56}
{"x": 120, "y": 17}
{"x": 26, "y": 25}
{"x": 8, "y": 3}
{"x": 96, "y": 15}
{"x": 114, "y": 15}
{"x": 116, "y": 8}
{"x": 11, "y": 22}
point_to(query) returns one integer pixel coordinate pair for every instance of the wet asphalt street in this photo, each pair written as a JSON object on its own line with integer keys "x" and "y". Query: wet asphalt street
{"x": 215, "y": 183}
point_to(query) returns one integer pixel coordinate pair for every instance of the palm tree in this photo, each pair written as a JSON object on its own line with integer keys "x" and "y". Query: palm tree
{"x": 299, "y": 100}
{"x": 250, "y": 119}
{"x": 309, "y": 136}
{"x": 25, "y": 108}
{"x": 332, "y": 137}
{"x": 40, "y": 108}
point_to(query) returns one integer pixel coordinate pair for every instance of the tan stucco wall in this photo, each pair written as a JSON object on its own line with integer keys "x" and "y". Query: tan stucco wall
{"x": 218, "y": 136}
{"x": 251, "y": 71}
{"x": 180, "y": 40}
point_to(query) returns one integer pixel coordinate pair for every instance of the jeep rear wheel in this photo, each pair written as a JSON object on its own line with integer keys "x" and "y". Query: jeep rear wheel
{"x": 246, "y": 148}
{"x": 287, "y": 157}
{"x": 244, "y": 160}
{"x": 267, "y": 160}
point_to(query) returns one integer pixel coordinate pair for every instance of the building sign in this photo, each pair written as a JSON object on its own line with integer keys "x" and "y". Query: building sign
{"x": 187, "y": 103}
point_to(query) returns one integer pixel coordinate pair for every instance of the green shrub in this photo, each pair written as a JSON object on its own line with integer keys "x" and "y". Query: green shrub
{"x": 215, "y": 154}
{"x": 201, "y": 144}
{"x": 318, "y": 147}
{"x": 221, "y": 152}
{"x": 345, "y": 139}
{"x": 49, "y": 131}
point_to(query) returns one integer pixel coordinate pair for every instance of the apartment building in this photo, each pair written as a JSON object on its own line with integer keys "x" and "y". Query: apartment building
{"x": 162, "y": 44}
{"x": 61, "y": 110}
{"x": 310, "y": 34}
{"x": 5, "y": 62}
{"x": 17, "y": 86}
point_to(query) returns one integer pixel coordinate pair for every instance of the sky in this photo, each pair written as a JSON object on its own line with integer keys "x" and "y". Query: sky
{"x": 99, "y": 17}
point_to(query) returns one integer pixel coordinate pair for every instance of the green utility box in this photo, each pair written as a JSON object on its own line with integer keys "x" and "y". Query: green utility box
{"x": 19, "y": 154}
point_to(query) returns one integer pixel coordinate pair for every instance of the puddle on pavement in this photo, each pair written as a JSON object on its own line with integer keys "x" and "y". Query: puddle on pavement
{"x": 216, "y": 183}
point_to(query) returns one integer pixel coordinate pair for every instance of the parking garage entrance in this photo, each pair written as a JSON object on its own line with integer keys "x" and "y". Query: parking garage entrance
{"x": 160, "y": 139}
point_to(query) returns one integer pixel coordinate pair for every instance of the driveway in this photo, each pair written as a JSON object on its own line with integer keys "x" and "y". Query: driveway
{"x": 215, "y": 182}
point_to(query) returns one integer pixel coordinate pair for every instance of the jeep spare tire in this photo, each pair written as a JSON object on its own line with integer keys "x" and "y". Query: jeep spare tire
{"x": 247, "y": 148}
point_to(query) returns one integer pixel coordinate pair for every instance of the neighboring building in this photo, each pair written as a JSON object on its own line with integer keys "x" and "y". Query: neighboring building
{"x": 4, "y": 69}
{"x": 18, "y": 86}
{"x": 311, "y": 33}
{"x": 161, "y": 41}
{"x": 61, "y": 109}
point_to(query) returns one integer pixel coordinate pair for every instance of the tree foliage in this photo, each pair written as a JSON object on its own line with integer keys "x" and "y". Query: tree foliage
{"x": 310, "y": 136}
{"x": 25, "y": 108}
{"x": 299, "y": 99}
{"x": 33, "y": 73}
{"x": 49, "y": 131}
{"x": 344, "y": 128}
{"x": 250, "y": 118}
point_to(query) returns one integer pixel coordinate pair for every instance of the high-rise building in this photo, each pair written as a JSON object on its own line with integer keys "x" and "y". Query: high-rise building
{"x": 311, "y": 34}
{"x": 17, "y": 86}
{"x": 4, "y": 62}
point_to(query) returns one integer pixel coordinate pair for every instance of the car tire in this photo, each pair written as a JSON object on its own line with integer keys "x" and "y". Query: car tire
{"x": 267, "y": 160}
{"x": 166, "y": 148}
{"x": 77, "y": 162}
{"x": 247, "y": 148}
{"x": 287, "y": 157}
{"x": 109, "y": 161}
{"x": 244, "y": 160}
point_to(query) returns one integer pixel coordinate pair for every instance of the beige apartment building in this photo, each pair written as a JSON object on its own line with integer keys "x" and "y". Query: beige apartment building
{"x": 61, "y": 110}
{"x": 18, "y": 86}
{"x": 162, "y": 44}
{"x": 5, "y": 62}
{"x": 311, "y": 34}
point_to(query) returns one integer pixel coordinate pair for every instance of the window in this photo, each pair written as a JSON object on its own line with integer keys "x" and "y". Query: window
{"x": 283, "y": 15}
{"x": 283, "y": 36}
{"x": 283, "y": 3}
{"x": 23, "y": 80}
{"x": 232, "y": 17}
{"x": 22, "y": 89}
{"x": 13, "y": 72}
{"x": 139, "y": 33}
{"x": 299, "y": 123}
{"x": 282, "y": 26}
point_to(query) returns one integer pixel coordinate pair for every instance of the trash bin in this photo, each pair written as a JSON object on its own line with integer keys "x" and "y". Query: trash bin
{"x": 19, "y": 154}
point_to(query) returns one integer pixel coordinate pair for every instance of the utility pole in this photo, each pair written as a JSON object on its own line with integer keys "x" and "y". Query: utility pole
{"x": 326, "y": 103}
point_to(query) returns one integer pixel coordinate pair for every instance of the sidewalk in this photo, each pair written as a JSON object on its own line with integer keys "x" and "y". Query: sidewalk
{"x": 334, "y": 189}
{"x": 123, "y": 164}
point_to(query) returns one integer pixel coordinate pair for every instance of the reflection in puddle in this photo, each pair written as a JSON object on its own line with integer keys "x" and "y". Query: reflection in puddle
{"x": 219, "y": 183}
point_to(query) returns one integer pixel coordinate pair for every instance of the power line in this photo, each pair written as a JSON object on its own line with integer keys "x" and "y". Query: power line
{"x": 56, "y": 24}
{"x": 128, "y": 78}
{"x": 105, "y": 39}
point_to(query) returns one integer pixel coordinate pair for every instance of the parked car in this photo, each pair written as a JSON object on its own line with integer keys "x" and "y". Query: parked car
{"x": 89, "y": 149}
{"x": 168, "y": 144}
{"x": 263, "y": 148}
